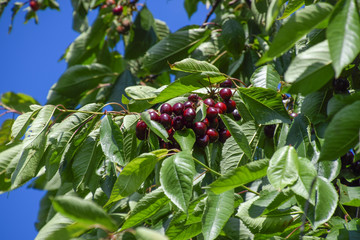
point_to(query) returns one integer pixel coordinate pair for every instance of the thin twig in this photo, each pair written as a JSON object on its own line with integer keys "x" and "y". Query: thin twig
{"x": 214, "y": 6}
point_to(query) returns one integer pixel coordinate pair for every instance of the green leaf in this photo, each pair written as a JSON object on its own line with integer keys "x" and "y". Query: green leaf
{"x": 298, "y": 25}
{"x": 149, "y": 205}
{"x": 143, "y": 233}
{"x": 21, "y": 123}
{"x": 193, "y": 66}
{"x": 83, "y": 211}
{"x": 185, "y": 232}
{"x": 217, "y": 212}
{"x": 190, "y": 7}
{"x": 310, "y": 70}
{"x": 326, "y": 202}
{"x": 80, "y": 78}
{"x": 140, "y": 92}
{"x": 34, "y": 147}
{"x": 265, "y": 105}
{"x": 342, "y": 132}
{"x": 233, "y": 36}
{"x": 268, "y": 202}
{"x": 349, "y": 196}
{"x": 17, "y": 101}
{"x": 134, "y": 174}
{"x": 272, "y": 13}
{"x": 185, "y": 138}
{"x": 299, "y": 135}
{"x": 240, "y": 176}
{"x": 142, "y": 35}
{"x": 266, "y": 77}
{"x": 238, "y": 135}
{"x": 291, "y": 7}
{"x": 173, "y": 48}
{"x": 282, "y": 169}
{"x": 343, "y": 34}
{"x": 314, "y": 106}
{"x": 86, "y": 161}
{"x": 126, "y": 79}
{"x": 235, "y": 229}
{"x": 188, "y": 84}
{"x": 57, "y": 223}
{"x": 154, "y": 126}
{"x": 176, "y": 178}
{"x": 111, "y": 140}
{"x": 162, "y": 30}
{"x": 307, "y": 173}
{"x": 275, "y": 222}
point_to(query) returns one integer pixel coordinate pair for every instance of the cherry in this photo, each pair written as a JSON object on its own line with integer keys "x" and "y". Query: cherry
{"x": 347, "y": 159}
{"x": 236, "y": 115}
{"x": 178, "y": 108}
{"x": 221, "y": 124}
{"x": 193, "y": 97}
{"x": 230, "y": 105}
{"x": 340, "y": 85}
{"x": 178, "y": 123}
{"x": 200, "y": 128}
{"x": 214, "y": 123}
{"x": 188, "y": 104}
{"x": 154, "y": 116}
{"x": 206, "y": 121}
{"x": 221, "y": 106}
{"x": 189, "y": 114}
{"x": 293, "y": 115}
{"x": 211, "y": 113}
{"x": 165, "y": 120}
{"x": 226, "y": 84}
{"x": 225, "y": 93}
{"x": 210, "y": 102}
{"x": 34, "y": 5}
{"x": 117, "y": 10}
{"x": 141, "y": 130}
{"x": 213, "y": 135}
{"x": 269, "y": 130}
{"x": 110, "y": 2}
{"x": 166, "y": 108}
{"x": 224, "y": 135}
{"x": 202, "y": 141}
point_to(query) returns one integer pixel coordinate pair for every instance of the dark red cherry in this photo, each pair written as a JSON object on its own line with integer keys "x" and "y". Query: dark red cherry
{"x": 188, "y": 104}
{"x": 226, "y": 84}
{"x": 269, "y": 130}
{"x": 347, "y": 159}
{"x": 178, "y": 108}
{"x": 236, "y": 115}
{"x": 200, "y": 128}
{"x": 221, "y": 124}
{"x": 34, "y": 5}
{"x": 211, "y": 113}
{"x": 141, "y": 130}
{"x": 230, "y": 105}
{"x": 210, "y": 102}
{"x": 214, "y": 123}
{"x": 221, "y": 106}
{"x": 206, "y": 121}
{"x": 189, "y": 115}
{"x": 165, "y": 120}
{"x": 224, "y": 135}
{"x": 202, "y": 141}
{"x": 213, "y": 135}
{"x": 225, "y": 93}
{"x": 166, "y": 108}
{"x": 178, "y": 123}
{"x": 117, "y": 10}
{"x": 193, "y": 97}
{"x": 293, "y": 115}
{"x": 154, "y": 116}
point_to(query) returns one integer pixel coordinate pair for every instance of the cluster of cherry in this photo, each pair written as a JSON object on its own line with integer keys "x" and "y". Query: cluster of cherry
{"x": 182, "y": 115}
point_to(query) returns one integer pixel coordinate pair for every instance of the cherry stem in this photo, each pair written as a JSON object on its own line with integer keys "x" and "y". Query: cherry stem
{"x": 347, "y": 216}
{"x": 206, "y": 167}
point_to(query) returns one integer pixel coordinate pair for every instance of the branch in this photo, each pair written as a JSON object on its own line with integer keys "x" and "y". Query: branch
{"x": 214, "y": 6}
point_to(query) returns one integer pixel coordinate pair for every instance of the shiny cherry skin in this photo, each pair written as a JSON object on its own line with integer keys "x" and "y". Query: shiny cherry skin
{"x": 202, "y": 141}
{"x": 178, "y": 109}
{"x": 226, "y": 84}
{"x": 213, "y": 135}
{"x": 210, "y": 102}
{"x": 165, "y": 120}
{"x": 166, "y": 108}
{"x": 224, "y": 135}
{"x": 211, "y": 113}
{"x": 200, "y": 128}
{"x": 189, "y": 115}
{"x": 117, "y": 10}
{"x": 221, "y": 106}
{"x": 193, "y": 97}
{"x": 225, "y": 93}
{"x": 230, "y": 105}
{"x": 178, "y": 123}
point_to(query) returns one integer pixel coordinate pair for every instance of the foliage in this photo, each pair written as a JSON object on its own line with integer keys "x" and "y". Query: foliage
{"x": 290, "y": 168}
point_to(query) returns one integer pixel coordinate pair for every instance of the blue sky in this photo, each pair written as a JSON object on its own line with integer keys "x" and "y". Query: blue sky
{"x": 29, "y": 64}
